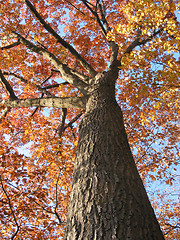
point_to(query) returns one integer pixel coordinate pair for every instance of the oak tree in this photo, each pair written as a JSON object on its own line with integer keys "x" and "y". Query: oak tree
{"x": 71, "y": 71}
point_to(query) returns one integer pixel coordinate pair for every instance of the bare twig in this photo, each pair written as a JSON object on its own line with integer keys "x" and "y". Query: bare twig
{"x": 94, "y": 12}
{"x": 34, "y": 111}
{"x": 73, "y": 120}
{"x": 55, "y": 85}
{"x": 10, "y": 206}
{"x": 163, "y": 64}
{"x": 27, "y": 82}
{"x": 56, "y": 205}
{"x": 43, "y": 208}
{"x": 74, "y": 7}
{"x": 171, "y": 228}
{"x": 47, "y": 78}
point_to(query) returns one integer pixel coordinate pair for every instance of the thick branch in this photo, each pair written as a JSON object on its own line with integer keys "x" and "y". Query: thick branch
{"x": 66, "y": 72}
{"x": 8, "y": 87}
{"x": 78, "y": 74}
{"x": 134, "y": 44}
{"x": 63, "y": 118}
{"x": 65, "y": 44}
{"x": 66, "y": 102}
{"x": 114, "y": 54}
{"x": 11, "y": 45}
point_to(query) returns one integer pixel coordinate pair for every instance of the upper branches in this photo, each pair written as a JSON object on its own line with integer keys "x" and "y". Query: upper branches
{"x": 95, "y": 13}
{"x": 50, "y": 101}
{"x": 99, "y": 12}
{"x": 68, "y": 74}
{"x": 59, "y": 39}
{"x": 138, "y": 42}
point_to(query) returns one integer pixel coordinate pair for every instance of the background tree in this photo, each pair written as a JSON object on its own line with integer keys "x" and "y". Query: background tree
{"x": 48, "y": 82}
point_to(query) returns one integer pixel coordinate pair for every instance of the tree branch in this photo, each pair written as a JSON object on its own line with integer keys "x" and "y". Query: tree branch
{"x": 74, "y": 7}
{"x": 62, "y": 127}
{"x": 103, "y": 16}
{"x": 73, "y": 120}
{"x": 11, "y": 45}
{"x": 56, "y": 205}
{"x": 63, "y": 118}
{"x": 137, "y": 42}
{"x": 66, "y": 102}
{"x": 171, "y": 228}
{"x": 96, "y": 16}
{"x": 163, "y": 64}
{"x": 43, "y": 208}
{"x": 114, "y": 54}
{"x": 4, "y": 113}
{"x": 8, "y": 87}
{"x": 65, "y": 71}
{"x": 10, "y": 206}
{"x": 143, "y": 42}
{"x": 47, "y": 78}
{"x": 103, "y": 22}
{"x": 43, "y": 90}
{"x": 55, "y": 85}
{"x": 65, "y": 44}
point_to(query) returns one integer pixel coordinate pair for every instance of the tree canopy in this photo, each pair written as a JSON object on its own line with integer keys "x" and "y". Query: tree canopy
{"x": 50, "y": 51}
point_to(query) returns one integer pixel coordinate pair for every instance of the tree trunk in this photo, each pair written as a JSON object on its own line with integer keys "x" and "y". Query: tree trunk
{"x": 108, "y": 199}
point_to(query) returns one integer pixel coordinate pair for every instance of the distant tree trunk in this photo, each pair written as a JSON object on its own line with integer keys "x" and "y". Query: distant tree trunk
{"x": 108, "y": 199}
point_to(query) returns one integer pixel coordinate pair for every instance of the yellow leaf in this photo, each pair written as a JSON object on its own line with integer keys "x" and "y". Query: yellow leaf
{"x": 26, "y": 132}
{"x": 153, "y": 118}
{"x": 31, "y": 137}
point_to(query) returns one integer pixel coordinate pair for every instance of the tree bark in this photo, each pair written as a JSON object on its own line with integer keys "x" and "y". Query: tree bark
{"x": 66, "y": 102}
{"x": 108, "y": 199}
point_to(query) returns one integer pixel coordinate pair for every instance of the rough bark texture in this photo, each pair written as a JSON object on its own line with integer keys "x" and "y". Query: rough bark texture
{"x": 66, "y": 102}
{"x": 108, "y": 199}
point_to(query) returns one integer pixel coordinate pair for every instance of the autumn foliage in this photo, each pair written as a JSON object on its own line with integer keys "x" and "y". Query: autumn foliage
{"x": 38, "y": 144}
